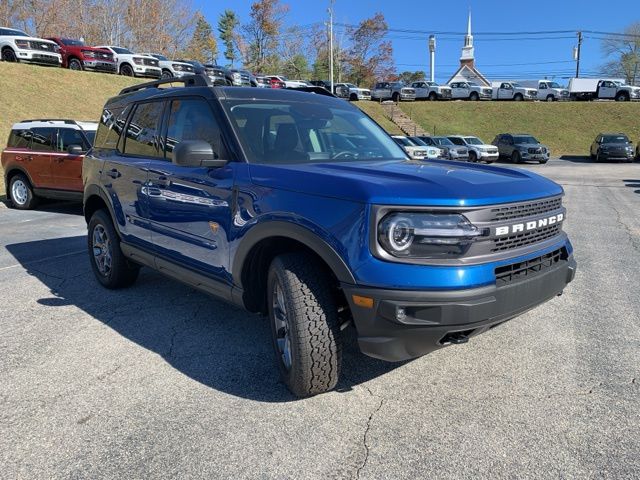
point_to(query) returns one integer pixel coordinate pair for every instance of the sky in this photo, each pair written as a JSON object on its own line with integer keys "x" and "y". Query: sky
{"x": 526, "y": 56}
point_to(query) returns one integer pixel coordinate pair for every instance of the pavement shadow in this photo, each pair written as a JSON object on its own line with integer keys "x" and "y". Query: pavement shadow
{"x": 214, "y": 343}
{"x": 576, "y": 158}
{"x": 631, "y": 183}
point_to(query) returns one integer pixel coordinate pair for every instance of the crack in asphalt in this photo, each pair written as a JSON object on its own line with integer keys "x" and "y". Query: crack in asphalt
{"x": 366, "y": 433}
{"x": 635, "y": 244}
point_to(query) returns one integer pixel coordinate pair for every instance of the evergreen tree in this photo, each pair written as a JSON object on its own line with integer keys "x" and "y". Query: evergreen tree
{"x": 226, "y": 27}
{"x": 202, "y": 46}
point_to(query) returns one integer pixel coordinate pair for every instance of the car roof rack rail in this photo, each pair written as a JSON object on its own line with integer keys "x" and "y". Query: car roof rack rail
{"x": 64, "y": 120}
{"x": 197, "y": 80}
{"x": 313, "y": 89}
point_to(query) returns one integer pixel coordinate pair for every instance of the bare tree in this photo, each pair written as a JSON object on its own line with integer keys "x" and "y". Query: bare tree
{"x": 624, "y": 50}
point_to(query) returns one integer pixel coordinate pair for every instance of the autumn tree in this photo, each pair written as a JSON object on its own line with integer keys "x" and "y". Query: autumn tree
{"x": 624, "y": 51}
{"x": 410, "y": 77}
{"x": 202, "y": 46}
{"x": 261, "y": 34}
{"x": 370, "y": 56}
{"x": 227, "y": 28}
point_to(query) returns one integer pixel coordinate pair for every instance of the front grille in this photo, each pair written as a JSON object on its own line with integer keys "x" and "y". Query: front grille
{"x": 461, "y": 151}
{"x": 526, "y": 238}
{"x": 150, "y": 62}
{"x": 535, "y": 150}
{"x": 529, "y": 268}
{"x": 526, "y": 209}
{"x": 366, "y": 93}
{"x": 47, "y": 47}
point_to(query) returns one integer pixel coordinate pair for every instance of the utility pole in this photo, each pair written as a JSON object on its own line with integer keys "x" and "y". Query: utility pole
{"x": 331, "y": 42}
{"x": 578, "y": 54}
{"x": 432, "y": 57}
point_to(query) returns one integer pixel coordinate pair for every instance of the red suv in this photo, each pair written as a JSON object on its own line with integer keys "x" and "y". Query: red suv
{"x": 78, "y": 56}
{"x": 43, "y": 158}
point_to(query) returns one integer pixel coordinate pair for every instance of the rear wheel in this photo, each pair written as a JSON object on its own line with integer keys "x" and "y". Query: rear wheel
{"x": 304, "y": 324}
{"x": 8, "y": 55}
{"x": 515, "y": 157}
{"x": 75, "y": 64}
{"x": 110, "y": 266}
{"x": 21, "y": 193}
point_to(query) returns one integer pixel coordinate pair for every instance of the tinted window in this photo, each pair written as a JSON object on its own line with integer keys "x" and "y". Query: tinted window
{"x": 69, "y": 136}
{"x": 457, "y": 141}
{"x": 111, "y": 124}
{"x": 19, "y": 139}
{"x": 121, "y": 50}
{"x": 43, "y": 139}
{"x": 72, "y": 42}
{"x": 524, "y": 139}
{"x": 141, "y": 137}
{"x": 614, "y": 139}
{"x": 192, "y": 119}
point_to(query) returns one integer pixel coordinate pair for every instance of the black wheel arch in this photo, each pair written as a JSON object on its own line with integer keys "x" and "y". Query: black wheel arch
{"x": 13, "y": 171}
{"x": 96, "y": 199}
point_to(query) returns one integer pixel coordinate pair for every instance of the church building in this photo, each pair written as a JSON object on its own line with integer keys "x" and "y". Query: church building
{"x": 468, "y": 71}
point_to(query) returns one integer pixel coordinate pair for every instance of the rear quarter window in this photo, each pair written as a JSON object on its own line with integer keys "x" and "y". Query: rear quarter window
{"x": 19, "y": 138}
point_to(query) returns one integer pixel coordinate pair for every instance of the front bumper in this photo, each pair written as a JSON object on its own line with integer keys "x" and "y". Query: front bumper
{"x": 434, "y": 319}
{"x": 407, "y": 97}
{"x": 151, "y": 72}
{"x": 488, "y": 156}
{"x": 41, "y": 58}
{"x": 617, "y": 155}
{"x": 100, "y": 66}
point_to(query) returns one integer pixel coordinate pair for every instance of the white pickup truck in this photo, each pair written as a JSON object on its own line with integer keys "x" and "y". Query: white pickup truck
{"x": 469, "y": 91}
{"x": 512, "y": 91}
{"x": 602, "y": 89}
{"x": 431, "y": 91}
{"x": 547, "y": 90}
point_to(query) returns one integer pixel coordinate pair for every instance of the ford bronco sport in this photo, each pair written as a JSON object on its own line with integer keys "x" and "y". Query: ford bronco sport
{"x": 298, "y": 206}
{"x": 43, "y": 159}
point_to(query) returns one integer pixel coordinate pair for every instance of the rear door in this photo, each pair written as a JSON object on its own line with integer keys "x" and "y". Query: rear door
{"x": 66, "y": 169}
{"x": 190, "y": 207}
{"x": 38, "y": 160}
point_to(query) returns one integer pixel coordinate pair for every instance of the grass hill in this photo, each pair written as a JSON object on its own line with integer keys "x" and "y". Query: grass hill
{"x": 568, "y": 128}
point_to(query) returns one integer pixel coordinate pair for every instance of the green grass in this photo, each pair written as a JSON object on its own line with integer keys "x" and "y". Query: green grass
{"x": 567, "y": 128}
{"x": 29, "y": 91}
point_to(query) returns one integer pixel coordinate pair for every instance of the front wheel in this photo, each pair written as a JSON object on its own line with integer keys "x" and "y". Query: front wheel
{"x": 304, "y": 324}
{"x": 75, "y": 64}
{"x": 473, "y": 156}
{"x": 474, "y": 97}
{"x": 126, "y": 70}
{"x": 550, "y": 98}
{"x": 433, "y": 97}
{"x": 21, "y": 193}
{"x": 166, "y": 75}
{"x": 8, "y": 55}
{"x": 396, "y": 97}
{"x": 515, "y": 157}
{"x": 109, "y": 265}
{"x": 622, "y": 97}
{"x": 518, "y": 97}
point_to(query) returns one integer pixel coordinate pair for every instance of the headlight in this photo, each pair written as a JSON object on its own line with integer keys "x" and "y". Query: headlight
{"x": 426, "y": 235}
{"x": 433, "y": 152}
{"x": 177, "y": 67}
{"x": 22, "y": 44}
{"x": 137, "y": 61}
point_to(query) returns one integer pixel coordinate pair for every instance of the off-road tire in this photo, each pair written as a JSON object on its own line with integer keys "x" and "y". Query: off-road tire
{"x": 31, "y": 200}
{"x": 122, "y": 272}
{"x": 75, "y": 64}
{"x": 515, "y": 157}
{"x": 126, "y": 70}
{"x": 8, "y": 55}
{"x": 313, "y": 325}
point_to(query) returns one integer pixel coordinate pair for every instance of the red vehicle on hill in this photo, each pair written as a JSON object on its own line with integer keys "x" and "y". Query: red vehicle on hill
{"x": 78, "y": 56}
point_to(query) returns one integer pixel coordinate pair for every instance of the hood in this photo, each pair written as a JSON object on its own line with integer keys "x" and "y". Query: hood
{"x": 530, "y": 145}
{"x": 398, "y": 182}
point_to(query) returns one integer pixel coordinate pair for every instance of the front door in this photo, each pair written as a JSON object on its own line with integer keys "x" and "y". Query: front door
{"x": 505, "y": 92}
{"x": 607, "y": 90}
{"x": 190, "y": 207}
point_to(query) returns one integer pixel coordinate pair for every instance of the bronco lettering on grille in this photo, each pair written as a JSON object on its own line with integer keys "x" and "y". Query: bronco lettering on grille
{"x": 528, "y": 226}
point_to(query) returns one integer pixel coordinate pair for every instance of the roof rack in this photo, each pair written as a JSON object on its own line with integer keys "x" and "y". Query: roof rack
{"x": 64, "y": 120}
{"x": 313, "y": 89}
{"x": 197, "y": 80}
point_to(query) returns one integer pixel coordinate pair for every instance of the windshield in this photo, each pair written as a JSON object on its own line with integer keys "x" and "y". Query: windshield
{"x": 72, "y": 42}
{"x": 160, "y": 57}
{"x": 290, "y": 131}
{"x": 350, "y": 85}
{"x": 418, "y": 141}
{"x": 442, "y": 141}
{"x": 121, "y": 50}
{"x": 432, "y": 84}
{"x": 473, "y": 141}
{"x": 471, "y": 84}
{"x": 12, "y": 33}
{"x": 524, "y": 139}
{"x": 615, "y": 139}
{"x": 554, "y": 85}
{"x": 516, "y": 85}
{"x": 404, "y": 141}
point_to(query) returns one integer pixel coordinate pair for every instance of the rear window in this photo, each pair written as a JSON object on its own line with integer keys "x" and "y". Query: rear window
{"x": 19, "y": 138}
{"x": 44, "y": 139}
{"x": 111, "y": 124}
{"x": 70, "y": 136}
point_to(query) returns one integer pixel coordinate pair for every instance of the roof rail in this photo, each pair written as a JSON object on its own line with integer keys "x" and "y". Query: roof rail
{"x": 64, "y": 120}
{"x": 313, "y": 89}
{"x": 198, "y": 80}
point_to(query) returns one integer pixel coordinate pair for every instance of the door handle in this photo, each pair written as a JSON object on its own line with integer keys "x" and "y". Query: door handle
{"x": 113, "y": 173}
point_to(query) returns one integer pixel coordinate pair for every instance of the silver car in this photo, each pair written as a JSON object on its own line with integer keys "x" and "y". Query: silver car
{"x": 450, "y": 150}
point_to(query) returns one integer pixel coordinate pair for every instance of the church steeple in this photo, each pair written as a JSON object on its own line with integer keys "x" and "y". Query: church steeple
{"x": 467, "y": 57}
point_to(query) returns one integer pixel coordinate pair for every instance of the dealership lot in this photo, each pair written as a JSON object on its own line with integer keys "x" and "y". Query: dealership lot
{"x": 162, "y": 381}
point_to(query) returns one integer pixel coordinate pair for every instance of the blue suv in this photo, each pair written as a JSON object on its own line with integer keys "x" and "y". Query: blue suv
{"x": 300, "y": 207}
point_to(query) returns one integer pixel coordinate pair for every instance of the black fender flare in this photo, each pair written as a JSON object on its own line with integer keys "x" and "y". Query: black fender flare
{"x": 301, "y": 234}
{"x": 92, "y": 191}
{"x": 14, "y": 169}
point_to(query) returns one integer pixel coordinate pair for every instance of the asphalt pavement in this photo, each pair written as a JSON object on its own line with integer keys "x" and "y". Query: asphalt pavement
{"x": 161, "y": 381}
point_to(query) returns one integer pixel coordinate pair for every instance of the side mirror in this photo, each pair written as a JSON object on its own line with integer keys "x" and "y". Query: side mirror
{"x": 74, "y": 150}
{"x": 196, "y": 153}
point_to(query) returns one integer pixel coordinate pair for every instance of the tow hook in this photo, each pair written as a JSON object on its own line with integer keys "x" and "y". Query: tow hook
{"x": 457, "y": 338}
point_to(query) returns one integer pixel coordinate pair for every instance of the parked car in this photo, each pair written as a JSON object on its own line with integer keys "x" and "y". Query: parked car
{"x": 17, "y": 46}
{"x": 276, "y": 81}
{"x": 547, "y": 90}
{"x": 431, "y": 91}
{"x": 512, "y": 91}
{"x": 43, "y": 159}
{"x": 521, "y": 147}
{"x": 469, "y": 91}
{"x": 602, "y": 89}
{"x": 326, "y": 84}
{"x": 219, "y": 75}
{"x": 243, "y": 78}
{"x": 76, "y": 55}
{"x": 612, "y": 146}
{"x": 171, "y": 68}
{"x": 396, "y": 91}
{"x": 317, "y": 235}
{"x": 263, "y": 82}
{"x": 132, "y": 64}
{"x": 415, "y": 150}
{"x": 433, "y": 152}
{"x": 198, "y": 68}
{"x": 354, "y": 93}
{"x": 478, "y": 150}
{"x": 450, "y": 150}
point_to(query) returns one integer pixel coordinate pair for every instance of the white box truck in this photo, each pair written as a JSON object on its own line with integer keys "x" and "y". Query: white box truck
{"x": 602, "y": 89}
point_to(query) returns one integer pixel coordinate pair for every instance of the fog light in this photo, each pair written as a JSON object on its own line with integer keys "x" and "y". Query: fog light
{"x": 401, "y": 315}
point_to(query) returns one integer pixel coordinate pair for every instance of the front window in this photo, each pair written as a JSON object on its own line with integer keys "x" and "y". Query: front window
{"x": 615, "y": 139}
{"x": 310, "y": 131}
{"x": 123, "y": 51}
{"x": 473, "y": 141}
{"x": 554, "y": 85}
{"x": 520, "y": 139}
{"x": 443, "y": 141}
{"x": 73, "y": 43}
{"x": 351, "y": 85}
{"x": 516, "y": 85}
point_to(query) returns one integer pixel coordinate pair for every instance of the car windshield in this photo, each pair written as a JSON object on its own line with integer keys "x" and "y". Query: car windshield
{"x": 432, "y": 84}
{"x": 404, "y": 141}
{"x": 12, "y": 33}
{"x": 524, "y": 139}
{"x": 554, "y": 85}
{"x": 305, "y": 131}
{"x": 473, "y": 141}
{"x": 615, "y": 139}
{"x": 442, "y": 141}
{"x": 516, "y": 85}
{"x": 418, "y": 141}
{"x": 471, "y": 84}
{"x": 73, "y": 43}
{"x": 350, "y": 85}
{"x": 160, "y": 57}
{"x": 121, "y": 50}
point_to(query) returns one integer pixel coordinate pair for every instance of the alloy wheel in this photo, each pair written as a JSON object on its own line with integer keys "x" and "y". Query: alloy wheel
{"x": 282, "y": 328}
{"x": 102, "y": 250}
